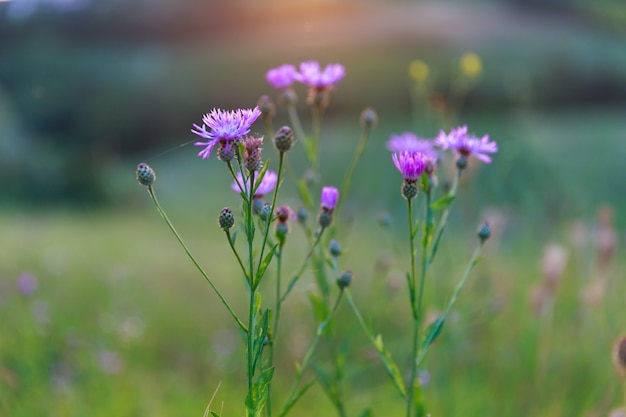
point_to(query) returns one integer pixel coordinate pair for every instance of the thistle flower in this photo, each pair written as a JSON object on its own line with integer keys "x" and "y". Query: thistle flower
{"x": 410, "y": 164}
{"x": 281, "y": 77}
{"x": 252, "y": 153}
{"x": 312, "y": 75}
{"x": 409, "y": 141}
{"x": 267, "y": 184}
{"x": 329, "y": 198}
{"x": 225, "y": 128}
{"x": 464, "y": 144}
{"x": 283, "y": 215}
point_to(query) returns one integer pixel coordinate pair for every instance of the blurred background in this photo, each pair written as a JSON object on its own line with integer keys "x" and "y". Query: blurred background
{"x": 91, "y": 284}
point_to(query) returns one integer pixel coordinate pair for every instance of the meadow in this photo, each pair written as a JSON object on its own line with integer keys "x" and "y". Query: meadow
{"x": 121, "y": 324}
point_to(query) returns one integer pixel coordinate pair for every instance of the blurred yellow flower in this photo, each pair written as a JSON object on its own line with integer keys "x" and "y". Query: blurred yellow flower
{"x": 471, "y": 64}
{"x": 418, "y": 70}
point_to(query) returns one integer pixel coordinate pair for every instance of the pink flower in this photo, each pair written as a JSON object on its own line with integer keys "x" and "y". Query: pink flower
{"x": 281, "y": 77}
{"x": 329, "y": 198}
{"x": 409, "y": 141}
{"x": 225, "y": 127}
{"x": 410, "y": 164}
{"x": 464, "y": 144}
{"x": 312, "y": 75}
{"x": 267, "y": 184}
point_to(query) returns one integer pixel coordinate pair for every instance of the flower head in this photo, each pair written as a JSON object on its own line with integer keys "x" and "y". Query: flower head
{"x": 409, "y": 141}
{"x": 252, "y": 153}
{"x": 281, "y": 77}
{"x": 267, "y": 184}
{"x": 312, "y": 75}
{"x": 27, "y": 284}
{"x": 224, "y": 127}
{"x": 410, "y": 164}
{"x": 465, "y": 144}
{"x": 329, "y": 198}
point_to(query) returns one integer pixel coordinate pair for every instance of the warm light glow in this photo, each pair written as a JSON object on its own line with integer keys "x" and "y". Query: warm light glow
{"x": 418, "y": 70}
{"x": 471, "y": 65}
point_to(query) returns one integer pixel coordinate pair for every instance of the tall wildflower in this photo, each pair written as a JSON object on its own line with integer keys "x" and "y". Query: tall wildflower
{"x": 224, "y": 128}
{"x": 320, "y": 81}
{"x": 282, "y": 79}
{"x": 411, "y": 165}
{"x": 465, "y": 145}
{"x": 328, "y": 199}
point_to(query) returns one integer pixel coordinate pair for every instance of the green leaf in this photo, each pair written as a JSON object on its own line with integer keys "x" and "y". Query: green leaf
{"x": 390, "y": 365}
{"x": 329, "y": 386}
{"x": 442, "y": 203}
{"x": 263, "y": 266}
{"x": 259, "y": 341}
{"x": 433, "y": 331}
{"x": 415, "y": 229}
{"x": 296, "y": 397}
{"x": 320, "y": 309}
{"x": 257, "y": 396}
{"x": 259, "y": 177}
{"x": 367, "y": 413}
{"x": 214, "y": 414}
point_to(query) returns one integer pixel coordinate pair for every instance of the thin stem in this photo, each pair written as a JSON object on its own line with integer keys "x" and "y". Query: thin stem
{"x": 355, "y": 160}
{"x": 276, "y": 320}
{"x": 297, "y": 126}
{"x": 198, "y": 267}
{"x": 309, "y": 355}
{"x": 268, "y": 221}
{"x": 415, "y": 305}
{"x": 251, "y": 306}
{"x": 301, "y": 270}
{"x": 443, "y": 221}
{"x": 317, "y": 125}
{"x": 232, "y": 246}
{"x": 268, "y": 127}
{"x": 242, "y": 187}
{"x": 455, "y": 294}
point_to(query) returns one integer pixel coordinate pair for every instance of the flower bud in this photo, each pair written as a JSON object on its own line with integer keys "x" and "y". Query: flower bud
{"x": 461, "y": 163}
{"x": 226, "y": 219}
{"x": 345, "y": 279}
{"x": 282, "y": 228}
{"x": 265, "y": 211}
{"x": 334, "y": 248}
{"x": 409, "y": 189}
{"x": 267, "y": 107}
{"x": 145, "y": 174}
{"x": 369, "y": 117}
{"x": 283, "y": 140}
{"x": 484, "y": 232}
{"x": 325, "y": 219}
{"x": 226, "y": 153}
{"x": 302, "y": 215}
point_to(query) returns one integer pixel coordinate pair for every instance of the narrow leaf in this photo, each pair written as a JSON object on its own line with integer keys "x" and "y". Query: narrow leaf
{"x": 257, "y": 396}
{"x": 296, "y": 397}
{"x": 442, "y": 203}
{"x": 304, "y": 194}
{"x": 433, "y": 331}
{"x": 390, "y": 365}
{"x": 320, "y": 309}
{"x": 263, "y": 266}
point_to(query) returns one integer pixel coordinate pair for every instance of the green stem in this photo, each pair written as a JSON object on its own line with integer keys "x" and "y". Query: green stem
{"x": 268, "y": 127}
{"x": 268, "y": 221}
{"x": 276, "y": 320}
{"x": 415, "y": 305}
{"x": 301, "y": 270}
{"x": 251, "y": 306}
{"x": 355, "y": 160}
{"x": 242, "y": 187}
{"x": 309, "y": 355}
{"x": 455, "y": 294}
{"x": 297, "y": 126}
{"x": 232, "y": 246}
{"x": 443, "y": 221}
{"x": 198, "y": 267}
{"x": 317, "y": 126}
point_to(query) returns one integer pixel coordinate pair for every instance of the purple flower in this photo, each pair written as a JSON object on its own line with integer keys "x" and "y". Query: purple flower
{"x": 312, "y": 75}
{"x": 465, "y": 144}
{"x": 281, "y": 77}
{"x": 267, "y": 184}
{"x": 409, "y": 141}
{"x": 329, "y": 198}
{"x": 27, "y": 284}
{"x": 225, "y": 127}
{"x": 410, "y": 164}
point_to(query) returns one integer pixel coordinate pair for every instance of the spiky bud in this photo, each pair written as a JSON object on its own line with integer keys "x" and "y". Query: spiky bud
{"x": 484, "y": 232}
{"x": 325, "y": 218}
{"x": 283, "y": 140}
{"x": 334, "y": 248}
{"x": 345, "y": 279}
{"x": 619, "y": 355}
{"x": 145, "y": 174}
{"x": 266, "y": 211}
{"x": 369, "y": 117}
{"x": 226, "y": 219}
{"x": 252, "y": 153}
{"x": 461, "y": 163}
{"x": 302, "y": 215}
{"x": 409, "y": 189}
{"x": 226, "y": 153}
{"x": 282, "y": 228}
{"x": 267, "y": 107}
